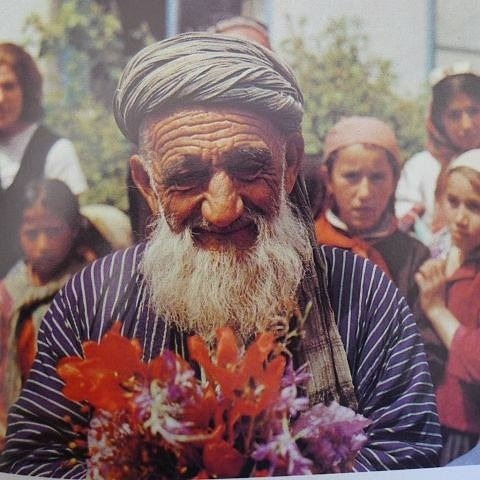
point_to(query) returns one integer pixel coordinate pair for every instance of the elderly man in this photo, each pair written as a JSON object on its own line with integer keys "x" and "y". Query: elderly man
{"x": 218, "y": 124}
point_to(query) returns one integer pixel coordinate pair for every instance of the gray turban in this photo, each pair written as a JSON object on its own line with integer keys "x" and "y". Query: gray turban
{"x": 205, "y": 68}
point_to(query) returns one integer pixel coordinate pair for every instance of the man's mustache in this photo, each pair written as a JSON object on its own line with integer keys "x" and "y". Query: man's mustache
{"x": 199, "y": 226}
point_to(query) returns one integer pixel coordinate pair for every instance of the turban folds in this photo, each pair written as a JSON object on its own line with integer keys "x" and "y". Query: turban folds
{"x": 199, "y": 68}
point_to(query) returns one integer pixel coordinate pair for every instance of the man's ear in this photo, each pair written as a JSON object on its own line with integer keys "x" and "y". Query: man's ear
{"x": 142, "y": 181}
{"x": 294, "y": 148}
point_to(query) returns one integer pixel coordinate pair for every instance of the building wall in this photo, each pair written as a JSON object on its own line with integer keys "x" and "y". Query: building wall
{"x": 401, "y": 31}
{"x": 457, "y": 35}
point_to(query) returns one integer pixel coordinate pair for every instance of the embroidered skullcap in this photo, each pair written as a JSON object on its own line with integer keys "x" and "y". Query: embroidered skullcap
{"x": 469, "y": 159}
{"x": 206, "y": 68}
{"x": 368, "y": 130}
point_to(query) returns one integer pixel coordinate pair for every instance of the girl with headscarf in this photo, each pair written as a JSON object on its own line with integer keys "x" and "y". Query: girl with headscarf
{"x": 453, "y": 127}
{"x": 361, "y": 168}
{"x": 449, "y": 298}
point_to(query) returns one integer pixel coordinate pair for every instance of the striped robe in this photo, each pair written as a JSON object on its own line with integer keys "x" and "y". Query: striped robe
{"x": 384, "y": 351}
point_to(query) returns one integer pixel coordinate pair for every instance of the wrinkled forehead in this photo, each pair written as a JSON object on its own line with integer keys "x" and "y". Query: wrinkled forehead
{"x": 207, "y": 123}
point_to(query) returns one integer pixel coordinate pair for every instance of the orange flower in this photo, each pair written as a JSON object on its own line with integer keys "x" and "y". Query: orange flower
{"x": 101, "y": 377}
{"x": 252, "y": 381}
{"x": 222, "y": 460}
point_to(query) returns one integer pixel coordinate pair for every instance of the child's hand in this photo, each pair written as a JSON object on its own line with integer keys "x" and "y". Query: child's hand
{"x": 431, "y": 279}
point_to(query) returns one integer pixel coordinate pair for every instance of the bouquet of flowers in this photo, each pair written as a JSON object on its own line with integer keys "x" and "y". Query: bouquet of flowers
{"x": 241, "y": 413}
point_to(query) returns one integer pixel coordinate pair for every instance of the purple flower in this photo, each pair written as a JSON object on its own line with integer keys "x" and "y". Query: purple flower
{"x": 283, "y": 455}
{"x": 289, "y": 401}
{"x": 298, "y": 377}
{"x": 332, "y": 435}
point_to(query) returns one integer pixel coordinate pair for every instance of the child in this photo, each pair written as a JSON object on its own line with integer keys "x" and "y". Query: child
{"x": 453, "y": 127}
{"x": 361, "y": 168}
{"x": 48, "y": 233}
{"x": 57, "y": 239}
{"x": 449, "y": 298}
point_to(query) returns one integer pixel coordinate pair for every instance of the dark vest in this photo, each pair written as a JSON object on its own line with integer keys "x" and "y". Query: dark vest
{"x": 32, "y": 166}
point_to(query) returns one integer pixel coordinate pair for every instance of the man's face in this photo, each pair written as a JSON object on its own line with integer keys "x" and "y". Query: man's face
{"x": 11, "y": 99}
{"x": 211, "y": 170}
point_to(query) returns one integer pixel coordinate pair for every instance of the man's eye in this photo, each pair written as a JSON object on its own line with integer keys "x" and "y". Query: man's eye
{"x": 246, "y": 170}
{"x": 186, "y": 181}
{"x": 183, "y": 185}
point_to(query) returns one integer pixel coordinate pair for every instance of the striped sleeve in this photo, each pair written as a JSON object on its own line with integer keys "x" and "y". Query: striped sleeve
{"x": 388, "y": 364}
{"x": 40, "y": 437}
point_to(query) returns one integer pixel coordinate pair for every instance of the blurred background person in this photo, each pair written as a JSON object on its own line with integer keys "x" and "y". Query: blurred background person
{"x": 449, "y": 298}
{"x": 247, "y": 28}
{"x": 105, "y": 229}
{"x": 314, "y": 182}
{"x": 361, "y": 168}
{"x": 56, "y": 241}
{"x": 28, "y": 150}
{"x": 453, "y": 127}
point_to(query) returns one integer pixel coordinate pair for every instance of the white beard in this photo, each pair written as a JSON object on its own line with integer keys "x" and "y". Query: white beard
{"x": 200, "y": 290}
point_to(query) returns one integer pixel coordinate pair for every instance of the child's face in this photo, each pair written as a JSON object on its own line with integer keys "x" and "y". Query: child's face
{"x": 462, "y": 210}
{"x": 46, "y": 240}
{"x": 362, "y": 183}
{"x": 461, "y": 121}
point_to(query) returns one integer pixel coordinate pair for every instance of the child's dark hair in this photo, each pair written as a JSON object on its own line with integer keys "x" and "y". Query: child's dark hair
{"x": 445, "y": 90}
{"x": 56, "y": 196}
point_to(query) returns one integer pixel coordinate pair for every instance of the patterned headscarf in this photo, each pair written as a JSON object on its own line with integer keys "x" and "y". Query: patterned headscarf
{"x": 210, "y": 69}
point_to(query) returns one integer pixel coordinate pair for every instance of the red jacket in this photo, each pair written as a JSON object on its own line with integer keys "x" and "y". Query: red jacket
{"x": 458, "y": 394}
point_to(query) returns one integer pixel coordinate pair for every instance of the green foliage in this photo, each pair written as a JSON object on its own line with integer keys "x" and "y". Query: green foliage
{"x": 339, "y": 79}
{"x": 84, "y": 43}
{"x": 102, "y": 150}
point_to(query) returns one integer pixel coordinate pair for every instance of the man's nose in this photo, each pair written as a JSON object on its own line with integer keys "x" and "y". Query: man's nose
{"x": 221, "y": 205}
